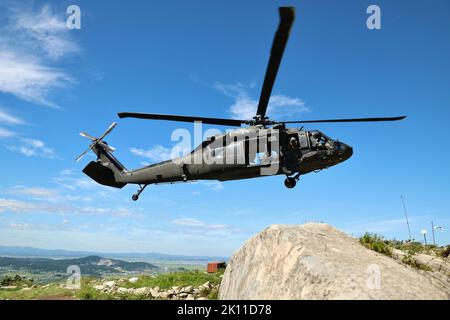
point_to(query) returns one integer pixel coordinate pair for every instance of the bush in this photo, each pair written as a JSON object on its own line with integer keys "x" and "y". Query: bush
{"x": 17, "y": 280}
{"x": 376, "y": 243}
{"x": 409, "y": 260}
{"x": 445, "y": 252}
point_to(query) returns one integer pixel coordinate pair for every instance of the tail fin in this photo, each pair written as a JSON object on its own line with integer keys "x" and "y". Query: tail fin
{"x": 107, "y": 170}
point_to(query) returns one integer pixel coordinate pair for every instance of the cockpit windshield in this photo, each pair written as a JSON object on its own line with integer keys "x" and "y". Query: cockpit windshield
{"x": 320, "y": 140}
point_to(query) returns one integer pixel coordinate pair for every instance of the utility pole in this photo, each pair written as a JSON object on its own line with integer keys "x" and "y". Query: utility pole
{"x": 406, "y": 215}
{"x": 432, "y": 230}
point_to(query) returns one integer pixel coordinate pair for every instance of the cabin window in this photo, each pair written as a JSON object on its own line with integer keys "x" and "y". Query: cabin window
{"x": 303, "y": 140}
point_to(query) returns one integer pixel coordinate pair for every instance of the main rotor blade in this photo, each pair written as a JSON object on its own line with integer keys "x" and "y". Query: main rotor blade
{"x": 287, "y": 16}
{"x": 153, "y": 116}
{"x": 350, "y": 120}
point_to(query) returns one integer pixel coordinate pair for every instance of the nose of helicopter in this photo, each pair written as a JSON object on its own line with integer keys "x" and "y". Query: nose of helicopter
{"x": 348, "y": 152}
{"x": 343, "y": 150}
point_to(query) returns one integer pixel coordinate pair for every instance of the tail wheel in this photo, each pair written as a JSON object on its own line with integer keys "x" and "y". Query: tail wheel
{"x": 290, "y": 183}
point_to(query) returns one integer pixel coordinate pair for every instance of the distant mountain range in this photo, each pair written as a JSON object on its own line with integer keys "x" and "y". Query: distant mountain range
{"x": 92, "y": 266}
{"x": 15, "y": 251}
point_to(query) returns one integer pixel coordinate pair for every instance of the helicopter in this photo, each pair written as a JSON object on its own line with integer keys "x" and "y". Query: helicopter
{"x": 264, "y": 147}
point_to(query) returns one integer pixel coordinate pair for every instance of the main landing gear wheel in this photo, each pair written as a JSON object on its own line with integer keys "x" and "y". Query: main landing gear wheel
{"x": 290, "y": 183}
{"x": 135, "y": 196}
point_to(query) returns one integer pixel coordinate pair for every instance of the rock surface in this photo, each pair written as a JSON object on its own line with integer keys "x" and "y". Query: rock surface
{"x": 317, "y": 261}
{"x": 173, "y": 293}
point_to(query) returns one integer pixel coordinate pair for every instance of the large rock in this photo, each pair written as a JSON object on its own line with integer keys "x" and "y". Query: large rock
{"x": 316, "y": 261}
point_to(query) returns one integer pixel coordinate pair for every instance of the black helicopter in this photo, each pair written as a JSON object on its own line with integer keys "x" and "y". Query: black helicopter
{"x": 265, "y": 147}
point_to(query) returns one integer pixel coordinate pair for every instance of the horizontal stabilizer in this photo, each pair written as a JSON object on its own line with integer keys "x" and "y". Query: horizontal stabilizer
{"x": 102, "y": 175}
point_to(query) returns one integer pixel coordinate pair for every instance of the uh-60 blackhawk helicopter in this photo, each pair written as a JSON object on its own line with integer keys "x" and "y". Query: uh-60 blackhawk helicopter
{"x": 265, "y": 147}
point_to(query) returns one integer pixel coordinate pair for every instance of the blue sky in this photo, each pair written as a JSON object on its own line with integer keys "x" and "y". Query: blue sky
{"x": 208, "y": 58}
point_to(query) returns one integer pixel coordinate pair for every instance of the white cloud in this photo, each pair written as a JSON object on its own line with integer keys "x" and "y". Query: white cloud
{"x": 16, "y": 206}
{"x": 244, "y": 107}
{"x": 5, "y": 133}
{"x": 21, "y": 144}
{"x": 189, "y": 222}
{"x": 33, "y": 147}
{"x": 44, "y": 30}
{"x": 29, "y": 79}
{"x": 66, "y": 172}
{"x": 213, "y": 185}
{"x": 197, "y": 226}
{"x": 20, "y": 226}
{"x": 30, "y": 41}
{"x": 119, "y": 212}
{"x": 61, "y": 207}
{"x": 34, "y": 192}
{"x": 7, "y": 118}
{"x": 73, "y": 183}
{"x": 159, "y": 153}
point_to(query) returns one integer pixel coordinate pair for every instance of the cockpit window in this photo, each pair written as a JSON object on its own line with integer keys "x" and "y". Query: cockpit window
{"x": 320, "y": 141}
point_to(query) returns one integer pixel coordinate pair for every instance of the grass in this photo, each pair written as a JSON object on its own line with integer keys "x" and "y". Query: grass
{"x": 411, "y": 248}
{"x": 376, "y": 243}
{"x": 414, "y": 247}
{"x": 409, "y": 260}
{"x": 379, "y": 244}
{"x": 35, "y": 293}
{"x": 179, "y": 279}
{"x": 445, "y": 252}
{"x": 193, "y": 278}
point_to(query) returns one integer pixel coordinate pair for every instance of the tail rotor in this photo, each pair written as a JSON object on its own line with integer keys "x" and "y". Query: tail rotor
{"x": 97, "y": 141}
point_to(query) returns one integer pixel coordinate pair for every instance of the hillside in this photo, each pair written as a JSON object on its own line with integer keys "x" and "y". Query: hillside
{"x": 311, "y": 261}
{"x": 186, "y": 285}
{"x": 31, "y": 252}
{"x": 94, "y": 266}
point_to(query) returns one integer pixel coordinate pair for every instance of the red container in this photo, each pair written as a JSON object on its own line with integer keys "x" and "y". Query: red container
{"x": 215, "y": 266}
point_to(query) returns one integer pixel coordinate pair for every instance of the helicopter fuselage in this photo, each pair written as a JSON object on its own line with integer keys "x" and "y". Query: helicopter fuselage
{"x": 247, "y": 153}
